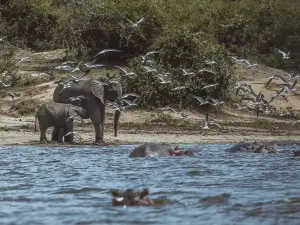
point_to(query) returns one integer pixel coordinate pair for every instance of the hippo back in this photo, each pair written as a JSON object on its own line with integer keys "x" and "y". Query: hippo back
{"x": 241, "y": 146}
{"x": 151, "y": 150}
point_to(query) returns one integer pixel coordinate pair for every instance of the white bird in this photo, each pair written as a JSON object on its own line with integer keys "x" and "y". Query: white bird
{"x": 77, "y": 98}
{"x": 216, "y": 101}
{"x": 240, "y": 107}
{"x": 209, "y": 86}
{"x": 13, "y": 95}
{"x": 76, "y": 79}
{"x": 136, "y": 23}
{"x": 178, "y": 88}
{"x": 209, "y": 123}
{"x": 2, "y": 38}
{"x": 23, "y": 59}
{"x": 65, "y": 86}
{"x": 129, "y": 103}
{"x": 144, "y": 57}
{"x": 237, "y": 60}
{"x": 292, "y": 76}
{"x": 115, "y": 106}
{"x": 297, "y": 121}
{"x": 187, "y": 73}
{"x": 210, "y": 62}
{"x": 150, "y": 70}
{"x": 74, "y": 117}
{"x": 68, "y": 63}
{"x": 201, "y": 100}
{"x": 39, "y": 74}
{"x": 126, "y": 73}
{"x": 208, "y": 70}
{"x": 277, "y": 77}
{"x": 4, "y": 85}
{"x": 250, "y": 64}
{"x": 107, "y": 50}
{"x": 285, "y": 55}
{"x": 64, "y": 68}
{"x": 278, "y": 95}
{"x": 173, "y": 110}
{"x": 130, "y": 94}
{"x": 163, "y": 81}
{"x": 164, "y": 74}
{"x": 290, "y": 88}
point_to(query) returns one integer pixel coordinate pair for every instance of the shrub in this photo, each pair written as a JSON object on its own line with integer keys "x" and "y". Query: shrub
{"x": 180, "y": 48}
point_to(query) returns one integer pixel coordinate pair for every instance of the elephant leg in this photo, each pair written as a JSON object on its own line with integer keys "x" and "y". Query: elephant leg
{"x": 69, "y": 128}
{"x": 55, "y": 134}
{"x": 43, "y": 137}
{"x": 61, "y": 134}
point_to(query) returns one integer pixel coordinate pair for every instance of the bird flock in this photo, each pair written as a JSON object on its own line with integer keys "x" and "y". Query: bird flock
{"x": 255, "y": 101}
{"x": 258, "y": 103}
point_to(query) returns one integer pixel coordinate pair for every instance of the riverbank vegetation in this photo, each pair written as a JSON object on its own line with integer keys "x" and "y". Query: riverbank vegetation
{"x": 186, "y": 33}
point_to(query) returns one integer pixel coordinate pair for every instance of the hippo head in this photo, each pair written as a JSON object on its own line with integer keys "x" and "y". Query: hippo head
{"x": 130, "y": 197}
{"x": 179, "y": 152}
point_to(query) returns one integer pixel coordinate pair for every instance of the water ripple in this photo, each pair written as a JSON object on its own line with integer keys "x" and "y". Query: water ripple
{"x": 71, "y": 185}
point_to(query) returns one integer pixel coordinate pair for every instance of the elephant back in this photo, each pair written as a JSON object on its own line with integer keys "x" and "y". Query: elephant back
{"x": 151, "y": 150}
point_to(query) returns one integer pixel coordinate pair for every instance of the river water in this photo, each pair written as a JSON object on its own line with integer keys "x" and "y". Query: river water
{"x": 70, "y": 185}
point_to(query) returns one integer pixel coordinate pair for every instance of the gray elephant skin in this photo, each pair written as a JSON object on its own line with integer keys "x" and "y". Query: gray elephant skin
{"x": 151, "y": 150}
{"x": 94, "y": 101}
{"x": 51, "y": 114}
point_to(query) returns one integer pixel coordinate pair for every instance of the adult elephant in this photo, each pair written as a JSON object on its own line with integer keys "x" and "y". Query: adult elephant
{"x": 94, "y": 92}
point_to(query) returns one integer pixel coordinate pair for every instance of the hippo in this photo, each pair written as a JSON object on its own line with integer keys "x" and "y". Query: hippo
{"x": 130, "y": 197}
{"x": 252, "y": 147}
{"x": 158, "y": 150}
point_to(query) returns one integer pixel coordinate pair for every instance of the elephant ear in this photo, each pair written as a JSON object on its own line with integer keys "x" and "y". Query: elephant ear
{"x": 98, "y": 90}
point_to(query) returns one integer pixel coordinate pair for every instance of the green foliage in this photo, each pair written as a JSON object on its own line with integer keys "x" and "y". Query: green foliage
{"x": 9, "y": 68}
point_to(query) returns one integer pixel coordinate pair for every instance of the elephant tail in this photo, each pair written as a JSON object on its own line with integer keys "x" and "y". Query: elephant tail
{"x": 35, "y": 123}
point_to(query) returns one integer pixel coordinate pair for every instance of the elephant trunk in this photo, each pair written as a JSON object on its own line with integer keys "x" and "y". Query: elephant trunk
{"x": 116, "y": 121}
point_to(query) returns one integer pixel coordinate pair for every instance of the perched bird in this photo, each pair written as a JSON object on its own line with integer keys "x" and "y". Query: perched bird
{"x": 237, "y": 60}
{"x": 64, "y": 68}
{"x": 126, "y": 73}
{"x": 100, "y": 82}
{"x": 136, "y": 23}
{"x": 65, "y": 86}
{"x": 275, "y": 77}
{"x": 40, "y": 74}
{"x": 297, "y": 121}
{"x": 285, "y": 55}
{"x": 292, "y": 76}
{"x": 107, "y": 50}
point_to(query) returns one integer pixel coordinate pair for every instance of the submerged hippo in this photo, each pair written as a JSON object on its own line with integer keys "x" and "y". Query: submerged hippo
{"x": 130, "y": 197}
{"x": 252, "y": 147}
{"x": 158, "y": 150}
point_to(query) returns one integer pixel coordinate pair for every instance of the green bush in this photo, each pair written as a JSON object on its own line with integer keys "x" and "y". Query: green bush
{"x": 180, "y": 48}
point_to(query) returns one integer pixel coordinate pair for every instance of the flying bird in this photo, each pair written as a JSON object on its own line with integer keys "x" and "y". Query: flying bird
{"x": 285, "y": 55}
{"x": 209, "y": 86}
{"x": 277, "y": 77}
{"x": 107, "y": 50}
{"x": 136, "y": 23}
{"x": 126, "y": 73}
{"x": 187, "y": 73}
{"x": 4, "y": 85}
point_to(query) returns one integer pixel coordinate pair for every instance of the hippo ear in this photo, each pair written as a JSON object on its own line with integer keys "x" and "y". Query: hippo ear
{"x": 176, "y": 147}
{"x": 144, "y": 193}
{"x": 116, "y": 193}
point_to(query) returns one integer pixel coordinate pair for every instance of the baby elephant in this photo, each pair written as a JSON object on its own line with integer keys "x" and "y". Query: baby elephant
{"x": 60, "y": 115}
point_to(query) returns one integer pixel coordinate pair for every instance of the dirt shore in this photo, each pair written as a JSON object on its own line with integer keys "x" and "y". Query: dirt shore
{"x": 139, "y": 126}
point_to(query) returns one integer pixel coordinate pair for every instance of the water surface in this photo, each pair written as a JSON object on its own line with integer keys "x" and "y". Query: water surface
{"x": 70, "y": 185}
